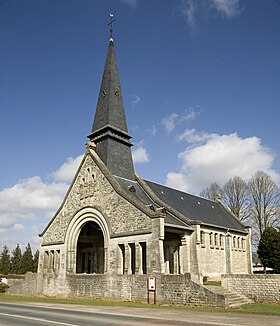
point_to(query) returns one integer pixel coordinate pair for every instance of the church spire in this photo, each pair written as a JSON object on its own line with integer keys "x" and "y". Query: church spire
{"x": 109, "y": 131}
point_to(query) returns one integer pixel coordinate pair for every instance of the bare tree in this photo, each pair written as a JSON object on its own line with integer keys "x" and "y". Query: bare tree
{"x": 212, "y": 191}
{"x": 265, "y": 199}
{"x": 236, "y": 197}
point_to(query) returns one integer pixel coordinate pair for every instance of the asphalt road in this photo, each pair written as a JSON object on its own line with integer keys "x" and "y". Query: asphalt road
{"x": 12, "y": 314}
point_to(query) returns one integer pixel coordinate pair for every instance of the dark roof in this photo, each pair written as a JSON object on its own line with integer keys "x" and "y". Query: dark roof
{"x": 196, "y": 208}
{"x": 140, "y": 194}
{"x": 109, "y": 131}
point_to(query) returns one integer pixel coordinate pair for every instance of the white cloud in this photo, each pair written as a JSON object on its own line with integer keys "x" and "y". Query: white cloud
{"x": 153, "y": 130}
{"x": 140, "y": 155}
{"x": 191, "y": 113}
{"x": 191, "y": 10}
{"x": 174, "y": 119}
{"x": 188, "y": 10}
{"x": 169, "y": 122}
{"x": 218, "y": 158}
{"x": 135, "y": 99}
{"x": 68, "y": 169}
{"x": 192, "y": 136}
{"x": 132, "y": 3}
{"x": 32, "y": 199}
{"x": 229, "y": 8}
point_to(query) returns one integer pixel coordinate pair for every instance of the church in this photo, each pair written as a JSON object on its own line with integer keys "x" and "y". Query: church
{"x": 114, "y": 230}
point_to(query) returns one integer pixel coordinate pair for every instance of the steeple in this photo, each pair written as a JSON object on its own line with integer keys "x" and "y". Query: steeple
{"x": 109, "y": 131}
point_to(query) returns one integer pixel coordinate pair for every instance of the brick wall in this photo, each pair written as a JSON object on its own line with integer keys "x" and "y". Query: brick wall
{"x": 259, "y": 287}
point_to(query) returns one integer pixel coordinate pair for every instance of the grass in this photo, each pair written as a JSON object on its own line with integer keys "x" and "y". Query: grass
{"x": 215, "y": 283}
{"x": 253, "y": 308}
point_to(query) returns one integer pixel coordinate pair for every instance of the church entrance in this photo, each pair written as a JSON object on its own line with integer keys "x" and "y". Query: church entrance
{"x": 90, "y": 249}
{"x": 171, "y": 247}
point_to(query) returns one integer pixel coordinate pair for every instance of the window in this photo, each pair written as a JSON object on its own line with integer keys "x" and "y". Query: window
{"x": 143, "y": 247}
{"x": 234, "y": 242}
{"x": 211, "y": 239}
{"x": 132, "y": 258}
{"x": 221, "y": 241}
{"x": 202, "y": 238}
{"x": 216, "y": 239}
{"x": 122, "y": 259}
{"x": 243, "y": 243}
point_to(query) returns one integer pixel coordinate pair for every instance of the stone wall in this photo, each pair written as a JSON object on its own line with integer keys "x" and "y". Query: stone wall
{"x": 179, "y": 289}
{"x": 170, "y": 289}
{"x": 259, "y": 287}
{"x": 26, "y": 284}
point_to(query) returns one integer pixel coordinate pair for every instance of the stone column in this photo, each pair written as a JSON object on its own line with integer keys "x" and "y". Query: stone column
{"x": 127, "y": 259}
{"x": 228, "y": 253}
{"x": 184, "y": 255}
{"x": 249, "y": 250}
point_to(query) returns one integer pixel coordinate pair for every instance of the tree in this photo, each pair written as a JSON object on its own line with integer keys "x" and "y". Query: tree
{"x": 236, "y": 197}
{"x": 16, "y": 261}
{"x": 264, "y": 202}
{"x": 269, "y": 249}
{"x": 212, "y": 191}
{"x": 5, "y": 261}
{"x": 27, "y": 264}
{"x": 36, "y": 261}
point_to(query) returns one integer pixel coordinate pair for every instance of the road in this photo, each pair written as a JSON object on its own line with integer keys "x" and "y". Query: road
{"x": 32, "y": 314}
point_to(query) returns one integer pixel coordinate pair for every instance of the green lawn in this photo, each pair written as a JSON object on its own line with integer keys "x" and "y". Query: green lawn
{"x": 255, "y": 308}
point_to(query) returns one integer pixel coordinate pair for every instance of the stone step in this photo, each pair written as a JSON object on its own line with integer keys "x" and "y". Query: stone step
{"x": 234, "y": 299}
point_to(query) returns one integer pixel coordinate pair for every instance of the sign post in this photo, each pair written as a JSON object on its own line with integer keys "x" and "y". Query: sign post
{"x": 151, "y": 282}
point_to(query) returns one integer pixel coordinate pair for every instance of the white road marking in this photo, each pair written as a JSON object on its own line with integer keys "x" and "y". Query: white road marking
{"x": 38, "y": 319}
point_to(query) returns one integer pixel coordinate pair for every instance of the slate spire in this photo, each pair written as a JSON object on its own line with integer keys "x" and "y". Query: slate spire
{"x": 109, "y": 131}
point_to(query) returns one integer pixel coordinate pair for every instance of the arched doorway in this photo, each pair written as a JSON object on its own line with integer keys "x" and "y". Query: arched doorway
{"x": 90, "y": 249}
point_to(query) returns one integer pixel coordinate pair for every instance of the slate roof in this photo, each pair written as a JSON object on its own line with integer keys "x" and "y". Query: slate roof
{"x": 193, "y": 208}
{"x": 197, "y": 208}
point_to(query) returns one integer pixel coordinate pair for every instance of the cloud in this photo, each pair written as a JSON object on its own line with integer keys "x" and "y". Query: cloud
{"x": 153, "y": 130}
{"x": 192, "y": 136}
{"x": 32, "y": 200}
{"x": 188, "y": 10}
{"x": 173, "y": 119}
{"x": 229, "y": 8}
{"x": 68, "y": 169}
{"x": 135, "y": 99}
{"x": 140, "y": 154}
{"x": 169, "y": 122}
{"x": 191, "y": 113}
{"x": 216, "y": 158}
{"x": 192, "y": 10}
{"x": 132, "y": 3}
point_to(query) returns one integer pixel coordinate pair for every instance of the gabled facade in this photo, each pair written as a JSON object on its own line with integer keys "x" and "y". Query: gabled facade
{"x": 114, "y": 229}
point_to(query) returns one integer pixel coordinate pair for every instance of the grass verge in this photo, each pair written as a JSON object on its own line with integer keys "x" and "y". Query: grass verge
{"x": 253, "y": 308}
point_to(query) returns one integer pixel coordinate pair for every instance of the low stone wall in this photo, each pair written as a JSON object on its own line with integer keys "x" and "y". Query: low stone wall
{"x": 22, "y": 284}
{"x": 180, "y": 289}
{"x": 170, "y": 289}
{"x": 259, "y": 287}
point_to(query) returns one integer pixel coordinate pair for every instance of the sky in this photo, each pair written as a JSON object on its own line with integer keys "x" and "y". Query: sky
{"x": 200, "y": 81}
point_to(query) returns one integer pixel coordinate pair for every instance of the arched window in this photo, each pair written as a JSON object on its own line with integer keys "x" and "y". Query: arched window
{"x": 90, "y": 249}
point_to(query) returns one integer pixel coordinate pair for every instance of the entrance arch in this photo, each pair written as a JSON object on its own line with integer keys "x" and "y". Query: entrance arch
{"x": 90, "y": 249}
{"x": 87, "y": 233}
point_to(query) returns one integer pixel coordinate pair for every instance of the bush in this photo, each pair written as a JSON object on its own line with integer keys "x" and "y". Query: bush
{"x": 3, "y": 287}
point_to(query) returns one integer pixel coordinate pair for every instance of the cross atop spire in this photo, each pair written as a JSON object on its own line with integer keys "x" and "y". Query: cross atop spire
{"x": 111, "y": 26}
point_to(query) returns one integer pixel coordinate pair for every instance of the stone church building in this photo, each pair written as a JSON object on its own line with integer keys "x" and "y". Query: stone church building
{"x": 114, "y": 229}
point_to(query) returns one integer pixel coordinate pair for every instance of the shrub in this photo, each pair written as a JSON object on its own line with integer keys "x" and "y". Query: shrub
{"x": 3, "y": 287}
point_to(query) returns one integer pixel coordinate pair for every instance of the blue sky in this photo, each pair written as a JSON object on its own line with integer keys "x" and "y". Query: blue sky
{"x": 200, "y": 81}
